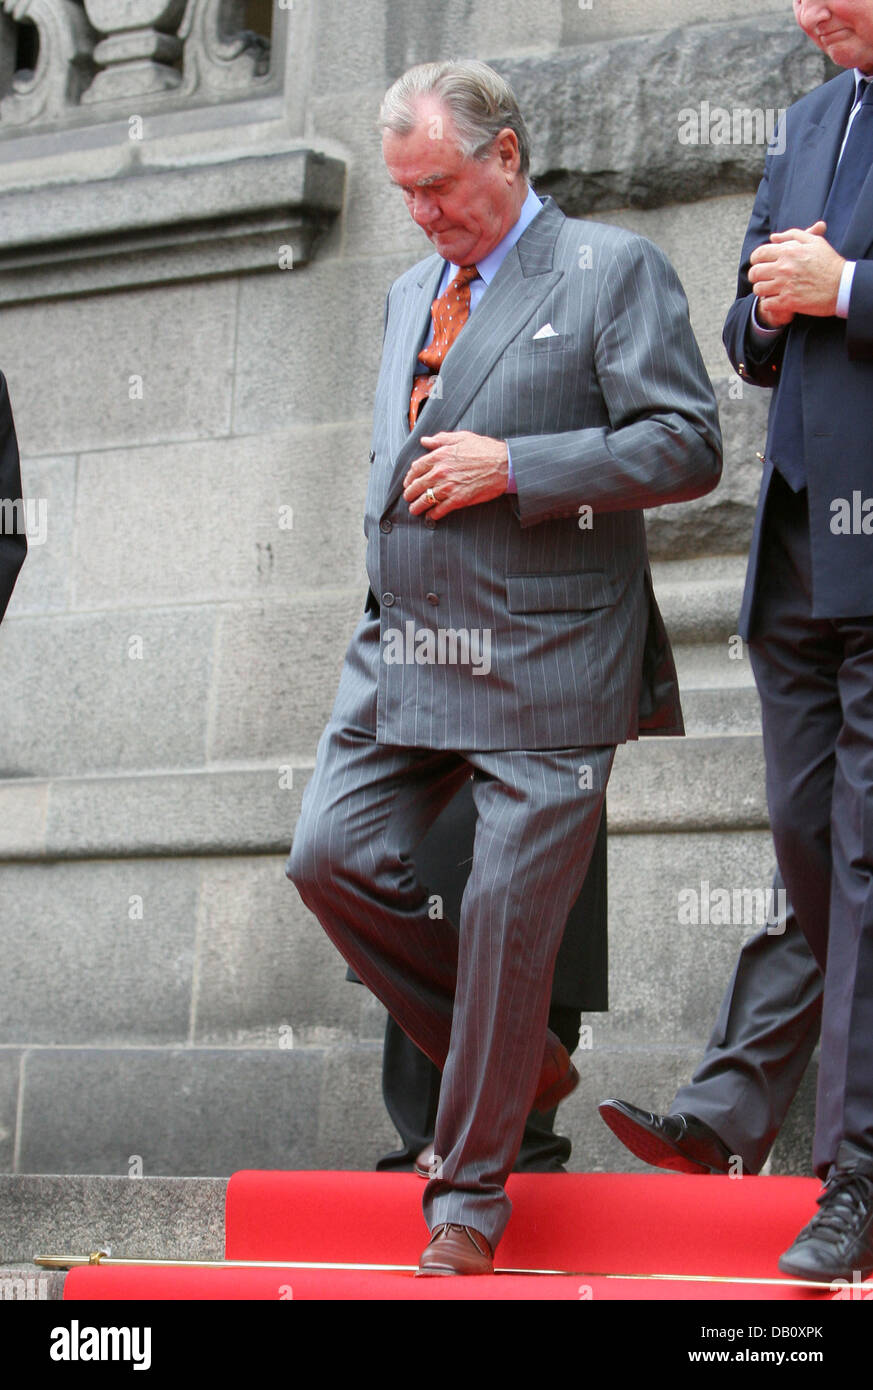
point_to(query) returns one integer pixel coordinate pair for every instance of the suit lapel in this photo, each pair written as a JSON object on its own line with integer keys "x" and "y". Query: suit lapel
{"x": 418, "y": 299}
{"x": 814, "y": 160}
{"x": 520, "y": 285}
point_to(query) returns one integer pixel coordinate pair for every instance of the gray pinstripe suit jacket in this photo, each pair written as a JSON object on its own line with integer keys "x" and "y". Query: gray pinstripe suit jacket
{"x": 615, "y": 412}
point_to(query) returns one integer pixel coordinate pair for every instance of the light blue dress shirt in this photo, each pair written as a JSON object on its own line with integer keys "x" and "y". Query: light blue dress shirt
{"x": 488, "y": 268}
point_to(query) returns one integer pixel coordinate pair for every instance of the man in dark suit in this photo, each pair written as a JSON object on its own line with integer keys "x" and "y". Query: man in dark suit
{"x": 13, "y": 536}
{"x": 540, "y": 386}
{"x": 802, "y": 323}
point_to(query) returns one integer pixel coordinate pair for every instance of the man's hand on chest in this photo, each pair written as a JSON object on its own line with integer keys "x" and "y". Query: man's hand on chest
{"x": 460, "y": 469}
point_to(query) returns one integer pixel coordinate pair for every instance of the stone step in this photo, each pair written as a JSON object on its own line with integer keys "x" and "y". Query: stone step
{"x": 75, "y": 1214}
{"x": 253, "y": 809}
{"x": 30, "y": 1283}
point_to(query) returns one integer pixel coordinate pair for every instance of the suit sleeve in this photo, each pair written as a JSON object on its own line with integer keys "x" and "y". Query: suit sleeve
{"x": 859, "y": 327}
{"x": 13, "y": 539}
{"x": 757, "y": 362}
{"x": 662, "y": 442}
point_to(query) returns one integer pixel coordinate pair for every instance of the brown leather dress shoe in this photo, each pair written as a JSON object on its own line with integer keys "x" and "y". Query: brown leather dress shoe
{"x": 557, "y": 1079}
{"x": 456, "y": 1250}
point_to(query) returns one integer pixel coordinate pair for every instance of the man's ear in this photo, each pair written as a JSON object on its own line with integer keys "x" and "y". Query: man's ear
{"x": 507, "y": 150}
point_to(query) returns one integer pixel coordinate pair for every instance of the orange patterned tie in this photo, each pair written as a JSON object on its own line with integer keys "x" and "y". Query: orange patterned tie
{"x": 450, "y": 313}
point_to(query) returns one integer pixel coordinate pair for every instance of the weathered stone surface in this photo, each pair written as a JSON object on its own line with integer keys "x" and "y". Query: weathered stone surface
{"x": 606, "y": 118}
{"x": 584, "y": 20}
{"x": 267, "y": 974}
{"x": 667, "y": 976}
{"x": 356, "y": 44}
{"x": 700, "y": 599}
{"x": 354, "y": 1130}
{"x": 80, "y": 963}
{"x": 30, "y": 1283}
{"x": 76, "y": 696}
{"x": 297, "y": 652}
{"x": 262, "y": 517}
{"x": 173, "y": 813}
{"x": 713, "y": 783}
{"x": 23, "y": 808}
{"x": 146, "y": 1218}
{"x": 154, "y": 225}
{"x": 72, "y": 371}
{"x": 293, "y": 366}
{"x": 233, "y": 812}
{"x": 48, "y": 489}
{"x": 10, "y": 1067}
{"x": 186, "y": 1112}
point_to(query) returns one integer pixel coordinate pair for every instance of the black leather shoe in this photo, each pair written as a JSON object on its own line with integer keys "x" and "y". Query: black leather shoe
{"x": 681, "y": 1143}
{"x": 838, "y": 1242}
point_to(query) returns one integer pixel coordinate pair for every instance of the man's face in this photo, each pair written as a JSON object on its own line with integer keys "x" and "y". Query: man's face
{"x": 842, "y": 28}
{"x": 464, "y": 206}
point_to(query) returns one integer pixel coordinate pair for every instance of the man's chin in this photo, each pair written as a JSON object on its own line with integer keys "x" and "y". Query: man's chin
{"x": 450, "y": 248}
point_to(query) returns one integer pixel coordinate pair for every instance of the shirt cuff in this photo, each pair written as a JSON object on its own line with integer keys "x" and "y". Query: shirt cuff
{"x": 759, "y": 332}
{"x": 845, "y": 290}
{"x": 511, "y": 485}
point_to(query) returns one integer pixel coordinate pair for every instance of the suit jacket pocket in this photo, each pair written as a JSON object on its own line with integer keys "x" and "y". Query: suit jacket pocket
{"x": 523, "y": 346}
{"x": 558, "y": 593}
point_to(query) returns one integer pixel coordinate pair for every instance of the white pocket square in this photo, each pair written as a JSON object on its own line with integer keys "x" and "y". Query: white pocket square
{"x": 547, "y": 331}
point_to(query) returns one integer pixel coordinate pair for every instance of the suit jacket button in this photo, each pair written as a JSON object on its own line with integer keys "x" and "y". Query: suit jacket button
{"x": 430, "y": 523}
{"x": 388, "y": 599}
{"x": 385, "y": 525}
{"x": 433, "y": 598}
{"x": 372, "y": 455}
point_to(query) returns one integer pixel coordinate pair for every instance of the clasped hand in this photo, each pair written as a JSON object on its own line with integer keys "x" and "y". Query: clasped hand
{"x": 796, "y": 272}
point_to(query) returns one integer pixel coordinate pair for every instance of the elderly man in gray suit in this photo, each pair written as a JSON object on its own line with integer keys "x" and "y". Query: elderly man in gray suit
{"x": 540, "y": 386}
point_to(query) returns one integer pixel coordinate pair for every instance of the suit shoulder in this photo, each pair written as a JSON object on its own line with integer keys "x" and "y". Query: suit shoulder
{"x": 817, "y": 103}
{"x": 604, "y": 240}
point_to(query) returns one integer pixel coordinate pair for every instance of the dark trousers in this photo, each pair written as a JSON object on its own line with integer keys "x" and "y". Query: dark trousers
{"x": 764, "y": 1036}
{"x": 815, "y": 680}
{"x": 410, "y": 1081}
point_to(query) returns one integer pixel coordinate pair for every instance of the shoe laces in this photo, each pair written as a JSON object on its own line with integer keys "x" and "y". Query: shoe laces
{"x": 845, "y": 1195}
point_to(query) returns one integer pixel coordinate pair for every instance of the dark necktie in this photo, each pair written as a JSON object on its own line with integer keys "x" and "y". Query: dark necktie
{"x": 852, "y": 170}
{"x": 786, "y": 442}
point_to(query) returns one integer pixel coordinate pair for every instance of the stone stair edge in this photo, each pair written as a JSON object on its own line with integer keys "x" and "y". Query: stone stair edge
{"x": 220, "y": 813}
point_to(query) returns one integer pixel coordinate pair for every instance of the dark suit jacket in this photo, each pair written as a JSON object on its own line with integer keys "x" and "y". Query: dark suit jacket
{"x": 837, "y": 384}
{"x": 13, "y": 541}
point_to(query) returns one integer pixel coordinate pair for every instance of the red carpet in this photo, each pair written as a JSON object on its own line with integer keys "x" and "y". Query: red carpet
{"x": 590, "y": 1225}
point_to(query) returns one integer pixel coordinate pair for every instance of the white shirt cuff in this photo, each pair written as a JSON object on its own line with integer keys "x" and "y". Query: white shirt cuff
{"x": 845, "y": 290}
{"x": 762, "y": 334}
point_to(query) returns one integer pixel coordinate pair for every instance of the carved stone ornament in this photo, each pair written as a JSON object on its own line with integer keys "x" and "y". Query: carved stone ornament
{"x": 64, "y": 67}
{"x": 221, "y": 57}
{"x": 141, "y": 52}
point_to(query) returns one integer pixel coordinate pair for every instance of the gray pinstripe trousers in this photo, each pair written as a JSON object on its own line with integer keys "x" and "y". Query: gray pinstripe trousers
{"x": 475, "y": 997}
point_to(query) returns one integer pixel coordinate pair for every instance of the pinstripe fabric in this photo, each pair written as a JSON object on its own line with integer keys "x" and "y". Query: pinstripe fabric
{"x": 614, "y": 411}
{"x": 475, "y": 998}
